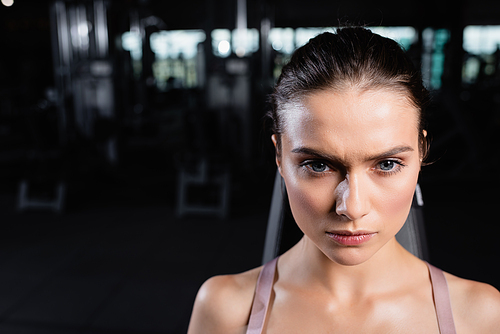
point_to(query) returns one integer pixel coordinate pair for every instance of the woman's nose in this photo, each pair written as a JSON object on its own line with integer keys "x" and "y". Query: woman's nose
{"x": 350, "y": 198}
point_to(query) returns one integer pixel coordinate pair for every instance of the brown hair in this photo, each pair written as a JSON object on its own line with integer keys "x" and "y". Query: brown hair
{"x": 350, "y": 57}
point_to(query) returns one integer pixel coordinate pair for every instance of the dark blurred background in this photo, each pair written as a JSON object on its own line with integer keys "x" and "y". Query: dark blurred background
{"x": 134, "y": 163}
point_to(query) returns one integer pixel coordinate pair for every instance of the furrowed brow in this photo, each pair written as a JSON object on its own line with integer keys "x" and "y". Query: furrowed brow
{"x": 393, "y": 151}
{"x": 321, "y": 155}
{"x": 316, "y": 153}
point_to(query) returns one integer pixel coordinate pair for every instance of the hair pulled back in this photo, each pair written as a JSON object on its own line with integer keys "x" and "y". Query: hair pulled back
{"x": 351, "y": 57}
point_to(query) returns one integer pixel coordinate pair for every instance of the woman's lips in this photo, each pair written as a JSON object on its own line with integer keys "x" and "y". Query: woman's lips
{"x": 350, "y": 238}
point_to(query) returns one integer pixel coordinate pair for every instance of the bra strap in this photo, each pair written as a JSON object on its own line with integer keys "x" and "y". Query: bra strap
{"x": 441, "y": 300}
{"x": 262, "y": 296}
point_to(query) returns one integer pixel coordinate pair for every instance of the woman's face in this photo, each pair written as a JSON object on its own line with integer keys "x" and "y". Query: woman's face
{"x": 350, "y": 161}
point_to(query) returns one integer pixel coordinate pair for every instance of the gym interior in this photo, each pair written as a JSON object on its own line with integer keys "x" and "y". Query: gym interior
{"x": 136, "y": 162}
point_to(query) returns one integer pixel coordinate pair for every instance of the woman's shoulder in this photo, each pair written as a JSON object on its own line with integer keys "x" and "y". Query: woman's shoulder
{"x": 223, "y": 303}
{"x": 476, "y": 306}
{"x": 224, "y": 289}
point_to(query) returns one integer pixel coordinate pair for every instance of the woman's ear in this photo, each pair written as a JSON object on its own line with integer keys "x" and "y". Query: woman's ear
{"x": 274, "y": 138}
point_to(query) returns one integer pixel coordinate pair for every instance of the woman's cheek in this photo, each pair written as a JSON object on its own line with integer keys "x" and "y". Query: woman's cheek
{"x": 309, "y": 198}
{"x": 396, "y": 202}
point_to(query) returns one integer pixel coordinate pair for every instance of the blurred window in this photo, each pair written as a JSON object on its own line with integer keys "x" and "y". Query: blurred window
{"x": 221, "y": 42}
{"x": 481, "y": 40}
{"x": 132, "y": 42}
{"x": 241, "y": 42}
{"x": 282, "y": 40}
{"x": 482, "y": 47}
{"x": 176, "y": 52}
{"x": 245, "y": 41}
{"x": 173, "y": 44}
{"x": 433, "y": 41}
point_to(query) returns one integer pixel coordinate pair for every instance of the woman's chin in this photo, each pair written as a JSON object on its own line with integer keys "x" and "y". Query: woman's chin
{"x": 356, "y": 255}
{"x": 350, "y": 256}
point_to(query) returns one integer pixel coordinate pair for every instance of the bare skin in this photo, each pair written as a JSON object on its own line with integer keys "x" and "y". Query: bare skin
{"x": 350, "y": 161}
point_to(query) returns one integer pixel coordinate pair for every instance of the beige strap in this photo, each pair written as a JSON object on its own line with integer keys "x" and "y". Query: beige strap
{"x": 442, "y": 301}
{"x": 262, "y": 297}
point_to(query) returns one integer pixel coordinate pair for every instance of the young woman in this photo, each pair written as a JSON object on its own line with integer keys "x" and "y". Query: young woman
{"x": 349, "y": 138}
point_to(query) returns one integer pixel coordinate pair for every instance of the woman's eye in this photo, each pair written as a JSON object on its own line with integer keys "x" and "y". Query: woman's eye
{"x": 387, "y": 165}
{"x": 318, "y": 167}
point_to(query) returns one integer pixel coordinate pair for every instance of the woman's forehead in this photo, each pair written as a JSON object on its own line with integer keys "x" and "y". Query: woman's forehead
{"x": 351, "y": 107}
{"x": 375, "y": 117}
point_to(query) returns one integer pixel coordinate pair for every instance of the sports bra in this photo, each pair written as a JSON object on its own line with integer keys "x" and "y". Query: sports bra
{"x": 265, "y": 283}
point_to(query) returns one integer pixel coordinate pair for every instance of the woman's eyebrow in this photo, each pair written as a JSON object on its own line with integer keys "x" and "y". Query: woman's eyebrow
{"x": 316, "y": 153}
{"x": 329, "y": 157}
{"x": 391, "y": 152}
